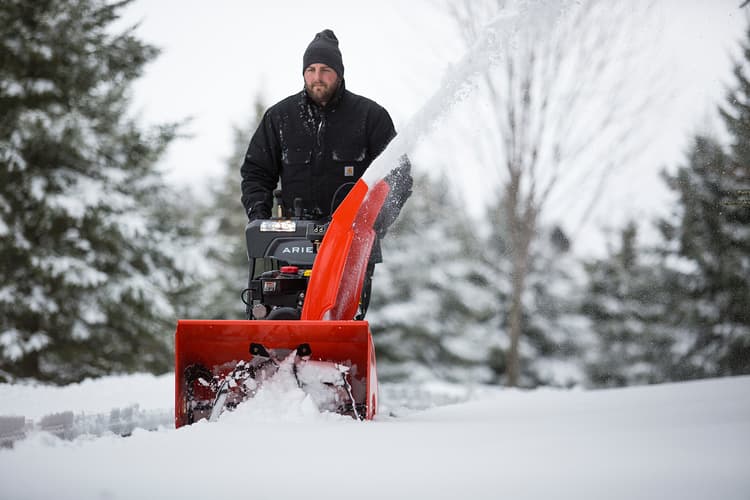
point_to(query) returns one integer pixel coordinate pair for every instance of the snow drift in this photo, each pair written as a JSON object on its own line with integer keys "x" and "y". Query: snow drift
{"x": 687, "y": 441}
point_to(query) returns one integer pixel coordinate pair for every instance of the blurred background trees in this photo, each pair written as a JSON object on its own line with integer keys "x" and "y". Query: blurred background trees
{"x": 99, "y": 256}
{"x": 557, "y": 118}
{"x": 679, "y": 308}
{"x": 222, "y": 225}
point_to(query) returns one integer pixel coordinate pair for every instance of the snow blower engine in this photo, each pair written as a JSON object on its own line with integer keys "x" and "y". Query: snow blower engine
{"x": 281, "y": 252}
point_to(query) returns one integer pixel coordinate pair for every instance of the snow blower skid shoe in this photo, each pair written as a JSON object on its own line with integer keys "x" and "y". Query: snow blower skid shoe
{"x": 221, "y": 363}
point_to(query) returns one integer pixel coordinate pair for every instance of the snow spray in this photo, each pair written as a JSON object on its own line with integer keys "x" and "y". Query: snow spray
{"x": 496, "y": 40}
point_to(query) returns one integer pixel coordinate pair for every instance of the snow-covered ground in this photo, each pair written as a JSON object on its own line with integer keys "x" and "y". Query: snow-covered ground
{"x": 686, "y": 441}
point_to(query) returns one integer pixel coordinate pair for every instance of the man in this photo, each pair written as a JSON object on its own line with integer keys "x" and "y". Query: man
{"x": 318, "y": 141}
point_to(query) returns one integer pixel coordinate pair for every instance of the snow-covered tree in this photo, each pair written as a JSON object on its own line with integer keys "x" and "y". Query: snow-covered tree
{"x": 431, "y": 304}
{"x": 556, "y": 118}
{"x": 553, "y": 330}
{"x": 679, "y": 309}
{"x": 87, "y": 233}
{"x": 223, "y": 226}
{"x": 736, "y": 110}
{"x": 707, "y": 244}
{"x": 441, "y": 296}
{"x": 555, "y": 334}
{"x": 709, "y": 238}
{"x": 629, "y": 303}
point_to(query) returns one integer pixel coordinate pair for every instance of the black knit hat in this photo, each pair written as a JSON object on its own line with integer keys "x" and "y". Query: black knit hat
{"x": 324, "y": 49}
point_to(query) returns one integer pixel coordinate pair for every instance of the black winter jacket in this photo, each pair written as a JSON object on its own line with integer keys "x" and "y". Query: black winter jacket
{"x": 318, "y": 153}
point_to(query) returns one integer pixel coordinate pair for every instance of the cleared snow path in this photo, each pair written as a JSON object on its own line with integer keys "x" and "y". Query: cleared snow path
{"x": 687, "y": 441}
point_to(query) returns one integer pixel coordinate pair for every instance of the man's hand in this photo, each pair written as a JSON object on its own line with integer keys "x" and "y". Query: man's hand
{"x": 259, "y": 210}
{"x": 401, "y": 182}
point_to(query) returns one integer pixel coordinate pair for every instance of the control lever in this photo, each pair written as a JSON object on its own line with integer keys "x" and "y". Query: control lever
{"x": 298, "y": 208}
{"x": 279, "y": 203}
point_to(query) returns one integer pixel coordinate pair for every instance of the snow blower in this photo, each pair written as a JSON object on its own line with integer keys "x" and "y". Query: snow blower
{"x": 306, "y": 280}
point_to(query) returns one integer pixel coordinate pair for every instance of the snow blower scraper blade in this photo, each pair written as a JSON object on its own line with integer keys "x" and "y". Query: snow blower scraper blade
{"x": 220, "y": 363}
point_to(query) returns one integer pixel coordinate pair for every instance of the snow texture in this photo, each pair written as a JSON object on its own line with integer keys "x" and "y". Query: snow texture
{"x": 687, "y": 441}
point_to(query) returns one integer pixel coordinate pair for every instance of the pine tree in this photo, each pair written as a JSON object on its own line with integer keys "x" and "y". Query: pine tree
{"x": 629, "y": 303}
{"x": 709, "y": 236}
{"x": 224, "y": 231}
{"x": 736, "y": 112}
{"x": 708, "y": 247}
{"x": 554, "y": 330}
{"x": 677, "y": 310}
{"x": 87, "y": 235}
{"x": 551, "y": 331}
{"x": 683, "y": 312}
{"x": 430, "y": 308}
{"x": 441, "y": 296}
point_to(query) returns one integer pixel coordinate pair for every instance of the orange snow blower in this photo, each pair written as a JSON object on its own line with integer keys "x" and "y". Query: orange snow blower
{"x": 306, "y": 281}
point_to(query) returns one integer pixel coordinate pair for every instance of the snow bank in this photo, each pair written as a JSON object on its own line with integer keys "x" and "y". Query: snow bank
{"x": 34, "y": 401}
{"x": 687, "y": 441}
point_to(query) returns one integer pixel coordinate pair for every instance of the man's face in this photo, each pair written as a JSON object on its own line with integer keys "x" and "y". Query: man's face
{"x": 321, "y": 82}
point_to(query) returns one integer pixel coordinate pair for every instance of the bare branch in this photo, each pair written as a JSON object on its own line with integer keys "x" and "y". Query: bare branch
{"x": 559, "y": 114}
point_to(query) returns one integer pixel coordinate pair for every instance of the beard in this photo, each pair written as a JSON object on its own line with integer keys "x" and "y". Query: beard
{"x": 320, "y": 92}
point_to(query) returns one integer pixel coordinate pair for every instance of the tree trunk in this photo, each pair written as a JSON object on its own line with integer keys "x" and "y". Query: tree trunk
{"x": 519, "y": 270}
{"x": 522, "y": 223}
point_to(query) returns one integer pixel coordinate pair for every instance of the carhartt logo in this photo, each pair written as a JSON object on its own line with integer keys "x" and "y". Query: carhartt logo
{"x": 349, "y": 171}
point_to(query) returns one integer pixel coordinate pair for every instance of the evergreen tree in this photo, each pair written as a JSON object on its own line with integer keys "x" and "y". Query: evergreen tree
{"x": 554, "y": 330}
{"x": 736, "y": 112}
{"x": 441, "y": 296}
{"x": 430, "y": 308}
{"x": 709, "y": 236}
{"x": 628, "y": 304}
{"x": 87, "y": 235}
{"x": 551, "y": 331}
{"x": 707, "y": 246}
{"x": 683, "y": 313}
{"x": 224, "y": 231}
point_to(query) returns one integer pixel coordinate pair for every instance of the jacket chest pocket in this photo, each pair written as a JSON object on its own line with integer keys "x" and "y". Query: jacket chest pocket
{"x": 296, "y": 174}
{"x": 350, "y": 163}
{"x": 298, "y": 157}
